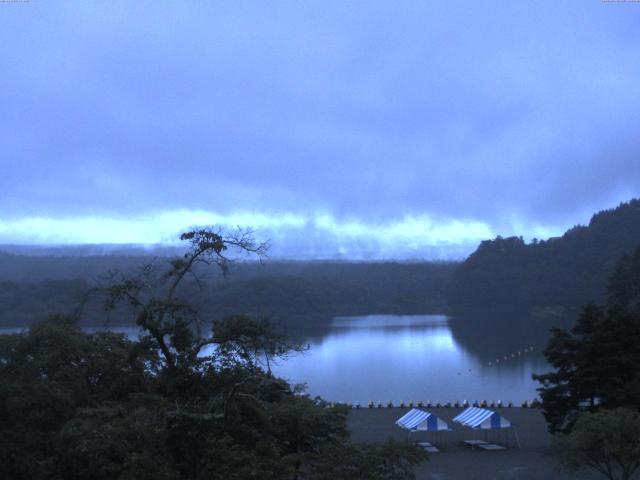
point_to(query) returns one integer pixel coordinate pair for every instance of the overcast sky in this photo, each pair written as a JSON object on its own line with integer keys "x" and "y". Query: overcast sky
{"x": 356, "y": 129}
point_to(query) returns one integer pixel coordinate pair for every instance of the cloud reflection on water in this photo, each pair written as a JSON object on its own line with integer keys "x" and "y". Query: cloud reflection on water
{"x": 382, "y": 357}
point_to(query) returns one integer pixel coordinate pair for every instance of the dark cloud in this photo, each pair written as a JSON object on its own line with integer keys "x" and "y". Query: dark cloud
{"x": 511, "y": 114}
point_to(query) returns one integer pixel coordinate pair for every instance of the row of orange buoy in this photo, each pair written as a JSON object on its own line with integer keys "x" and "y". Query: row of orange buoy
{"x": 513, "y": 355}
{"x": 464, "y": 404}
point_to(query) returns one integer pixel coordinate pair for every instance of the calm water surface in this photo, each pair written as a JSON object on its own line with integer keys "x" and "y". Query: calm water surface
{"x": 391, "y": 357}
{"x": 412, "y": 358}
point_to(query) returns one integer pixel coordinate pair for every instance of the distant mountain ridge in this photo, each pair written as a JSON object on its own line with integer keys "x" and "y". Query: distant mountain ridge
{"x": 566, "y": 271}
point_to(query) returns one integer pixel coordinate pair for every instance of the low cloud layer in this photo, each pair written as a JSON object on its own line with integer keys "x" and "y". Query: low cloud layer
{"x": 320, "y": 236}
{"x": 416, "y": 128}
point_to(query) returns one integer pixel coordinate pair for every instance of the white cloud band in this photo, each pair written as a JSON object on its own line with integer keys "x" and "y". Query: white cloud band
{"x": 320, "y": 235}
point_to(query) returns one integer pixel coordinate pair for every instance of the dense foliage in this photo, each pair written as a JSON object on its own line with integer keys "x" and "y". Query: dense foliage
{"x": 569, "y": 271}
{"x": 189, "y": 399}
{"x": 597, "y": 362}
{"x": 607, "y": 441}
{"x": 78, "y": 405}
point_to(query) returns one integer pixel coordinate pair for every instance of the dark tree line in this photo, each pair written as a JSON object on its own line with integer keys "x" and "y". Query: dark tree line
{"x": 568, "y": 271}
{"x": 295, "y": 292}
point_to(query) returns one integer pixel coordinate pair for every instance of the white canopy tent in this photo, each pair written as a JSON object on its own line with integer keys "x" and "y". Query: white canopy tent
{"x": 420, "y": 421}
{"x": 417, "y": 420}
{"x": 475, "y": 417}
{"x": 483, "y": 419}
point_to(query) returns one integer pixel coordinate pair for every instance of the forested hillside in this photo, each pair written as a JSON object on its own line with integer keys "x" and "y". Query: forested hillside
{"x": 568, "y": 271}
{"x": 33, "y": 287}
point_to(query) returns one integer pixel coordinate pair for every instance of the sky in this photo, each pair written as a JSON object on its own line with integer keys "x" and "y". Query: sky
{"x": 361, "y": 129}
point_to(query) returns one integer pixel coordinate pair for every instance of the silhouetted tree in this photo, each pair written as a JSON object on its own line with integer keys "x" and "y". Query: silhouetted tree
{"x": 624, "y": 284}
{"x": 189, "y": 399}
{"x": 597, "y": 362}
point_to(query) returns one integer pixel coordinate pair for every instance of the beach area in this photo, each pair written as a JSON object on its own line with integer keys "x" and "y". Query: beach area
{"x": 534, "y": 460}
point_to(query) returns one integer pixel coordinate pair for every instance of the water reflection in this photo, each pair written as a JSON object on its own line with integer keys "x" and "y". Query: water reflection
{"x": 390, "y": 321}
{"x": 391, "y": 357}
{"x": 491, "y": 336}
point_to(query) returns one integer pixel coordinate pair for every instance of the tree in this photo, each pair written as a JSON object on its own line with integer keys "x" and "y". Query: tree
{"x": 190, "y": 399}
{"x": 55, "y": 374}
{"x": 607, "y": 441}
{"x": 624, "y": 284}
{"x": 597, "y": 362}
{"x": 153, "y": 294}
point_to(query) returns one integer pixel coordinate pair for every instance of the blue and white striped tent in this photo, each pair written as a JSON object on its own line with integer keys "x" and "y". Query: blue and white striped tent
{"x": 420, "y": 421}
{"x": 483, "y": 419}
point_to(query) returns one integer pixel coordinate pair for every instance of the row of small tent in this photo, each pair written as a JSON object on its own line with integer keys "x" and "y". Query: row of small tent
{"x": 472, "y": 417}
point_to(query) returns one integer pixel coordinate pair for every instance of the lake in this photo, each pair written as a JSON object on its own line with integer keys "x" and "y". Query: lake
{"x": 415, "y": 358}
